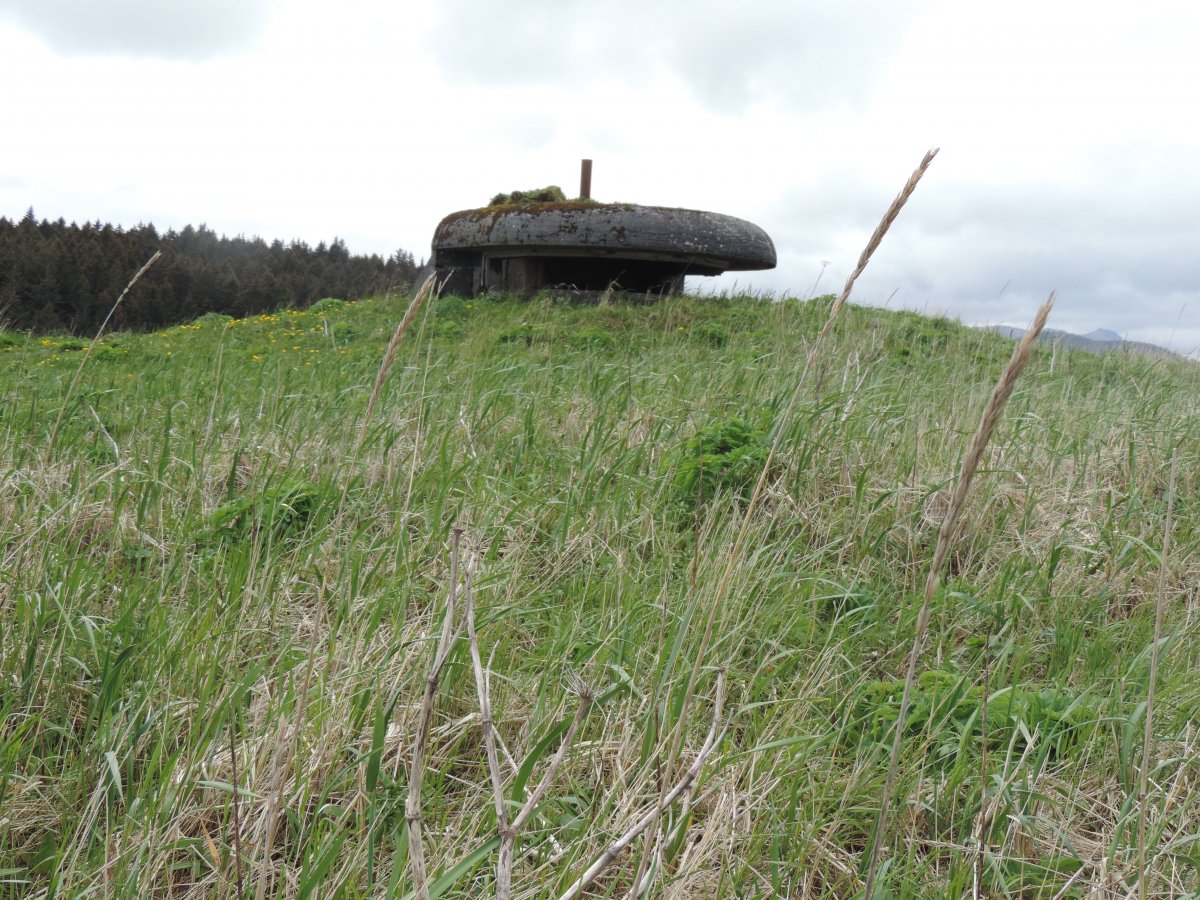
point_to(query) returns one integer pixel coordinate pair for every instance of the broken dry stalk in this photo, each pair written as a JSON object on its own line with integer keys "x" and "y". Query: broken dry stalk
{"x": 535, "y": 798}
{"x": 416, "y": 771}
{"x": 681, "y": 787}
{"x": 508, "y": 835}
{"x": 509, "y": 832}
{"x": 482, "y": 687}
{"x": 991, "y": 415}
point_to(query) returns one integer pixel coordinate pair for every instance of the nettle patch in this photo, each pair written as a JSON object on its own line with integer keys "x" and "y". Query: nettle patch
{"x": 282, "y": 512}
{"x": 327, "y": 305}
{"x": 593, "y": 337}
{"x": 213, "y": 319}
{"x": 725, "y": 458}
{"x": 949, "y": 709}
{"x": 525, "y": 333}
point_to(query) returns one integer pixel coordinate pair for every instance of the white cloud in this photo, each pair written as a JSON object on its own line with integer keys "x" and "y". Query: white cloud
{"x": 1067, "y": 150}
{"x": 727, "y": 56}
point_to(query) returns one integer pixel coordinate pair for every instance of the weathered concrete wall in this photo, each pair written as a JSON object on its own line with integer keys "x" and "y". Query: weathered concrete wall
{"x": 522, "y": 248}
{"x": 646, "y": 231}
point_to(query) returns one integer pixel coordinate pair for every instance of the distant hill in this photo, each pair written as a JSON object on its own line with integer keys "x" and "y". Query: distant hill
{"x": 1102, "y": 340}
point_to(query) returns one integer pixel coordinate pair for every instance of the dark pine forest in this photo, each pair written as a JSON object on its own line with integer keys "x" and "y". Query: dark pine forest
{"x": 60, "y": 277}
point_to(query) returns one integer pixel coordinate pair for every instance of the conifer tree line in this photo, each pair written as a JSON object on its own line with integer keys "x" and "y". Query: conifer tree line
{"x": 60, "y": 277}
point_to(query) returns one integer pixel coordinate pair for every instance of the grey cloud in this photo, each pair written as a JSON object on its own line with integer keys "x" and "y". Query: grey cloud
{"x": 805, "y": 54}
{"x": 180, "y": 29}
{"x": 1100, "y": 282}
{"x": 1123, "y": 258}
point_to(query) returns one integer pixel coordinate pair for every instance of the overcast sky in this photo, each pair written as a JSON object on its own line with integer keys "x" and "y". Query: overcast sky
{"x": 1070, "y": 144}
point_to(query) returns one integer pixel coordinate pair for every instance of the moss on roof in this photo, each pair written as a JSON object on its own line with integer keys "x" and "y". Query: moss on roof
{"x": 550, "y": 194}
{"x": 484, "y": 212}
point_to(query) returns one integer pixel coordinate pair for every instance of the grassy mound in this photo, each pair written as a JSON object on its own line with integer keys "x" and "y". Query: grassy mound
{"x": 213, "y": 605}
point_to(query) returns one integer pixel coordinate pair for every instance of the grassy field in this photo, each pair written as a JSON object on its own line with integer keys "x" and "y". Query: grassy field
{"x": 219, "y": 609}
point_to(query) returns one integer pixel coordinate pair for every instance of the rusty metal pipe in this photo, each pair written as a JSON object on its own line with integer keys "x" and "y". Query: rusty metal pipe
{"x": 585, "y": 179}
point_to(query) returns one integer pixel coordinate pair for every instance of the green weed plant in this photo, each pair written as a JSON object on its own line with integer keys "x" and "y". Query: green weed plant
{"x": 283, "y": 511}
{"x": 724, "y": 458}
